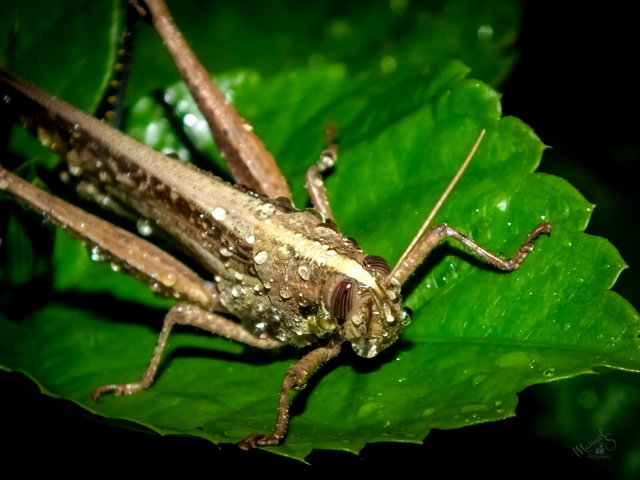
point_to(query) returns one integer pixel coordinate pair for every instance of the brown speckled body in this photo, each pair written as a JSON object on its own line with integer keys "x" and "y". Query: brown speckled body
{"x": 274, "y": 266}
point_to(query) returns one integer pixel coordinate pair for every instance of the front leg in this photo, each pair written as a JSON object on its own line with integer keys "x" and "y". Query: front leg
{"x": 436, "y": 234}
{"x": 295, "y": 378}
{"x": 186, "y": 314}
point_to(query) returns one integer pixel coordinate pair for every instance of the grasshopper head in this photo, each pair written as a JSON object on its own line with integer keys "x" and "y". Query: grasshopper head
{"x": 368, "y": 307}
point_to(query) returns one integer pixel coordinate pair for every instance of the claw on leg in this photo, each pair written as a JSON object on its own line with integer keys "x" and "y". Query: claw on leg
{"x": 119, "y": 389}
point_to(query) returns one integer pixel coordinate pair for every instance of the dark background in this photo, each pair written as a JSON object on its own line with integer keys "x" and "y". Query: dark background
{"x": 574, "y": 84}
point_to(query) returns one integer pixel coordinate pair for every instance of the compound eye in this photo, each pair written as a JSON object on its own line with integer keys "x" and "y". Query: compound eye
{"x": 343, "y": 298}
{"x": 376, "y": 264}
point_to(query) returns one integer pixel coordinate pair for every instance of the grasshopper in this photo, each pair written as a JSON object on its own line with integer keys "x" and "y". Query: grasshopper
{"x": 286, "y": 276}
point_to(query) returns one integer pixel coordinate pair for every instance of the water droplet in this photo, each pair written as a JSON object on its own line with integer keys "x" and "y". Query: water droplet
{"x": 367, "y": 410}
{"x": 189, "y": 120}
{"x": 251, "y": 239}
{"x": 106, "y": 201}
{"x": 259, "y": 327}
{"x": 321, "y": 261}
{"x": 219, "y": 213}
{"x": 75, "y": 170}
{"x": 331, "y": 253}
{"x": 261, "y": 257}
{"x": 144, "y": 227}
{"x": 498, "y": 403}
{"x": 104, "y": 176}
{"x": 485, "y": 32}
{"x": 235, "y": 292}
{"x": 169, "y": 279}
{"x": 284, "y": 252}
{"x": 549, "y": 372}
{"x": 566, "y": 327}
{"x": 96, "y": 254}
{"x": 285, "y": 293}
{"x": 515, "y": 360}
{"x": 304, "y": 272}
{"x": 169, "y": 95}
{"x": 388, "y": 64}
{"x": 115, "y": 266}
{"x": 264, "y": 211}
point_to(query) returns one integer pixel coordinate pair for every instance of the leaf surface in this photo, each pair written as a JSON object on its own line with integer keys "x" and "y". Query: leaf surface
{"x": 478, "y": 336}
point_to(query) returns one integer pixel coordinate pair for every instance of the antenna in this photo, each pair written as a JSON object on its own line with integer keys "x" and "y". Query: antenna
{"x": 406, "y": 265}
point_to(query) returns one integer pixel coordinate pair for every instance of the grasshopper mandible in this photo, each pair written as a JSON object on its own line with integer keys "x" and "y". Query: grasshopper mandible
{"x": 288, "y": 276}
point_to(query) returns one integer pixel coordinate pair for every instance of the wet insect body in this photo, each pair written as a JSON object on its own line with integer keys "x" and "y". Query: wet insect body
{"x": 287, "y": 274}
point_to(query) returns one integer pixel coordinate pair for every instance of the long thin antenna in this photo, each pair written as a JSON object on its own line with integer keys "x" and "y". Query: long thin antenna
{"x": 400, "y": 265}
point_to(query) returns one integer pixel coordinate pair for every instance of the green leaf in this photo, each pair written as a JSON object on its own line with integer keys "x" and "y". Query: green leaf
{"x": 54, "y": 49}
{"x": 478, "y": 336}
{"x": 279, "y": 35}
